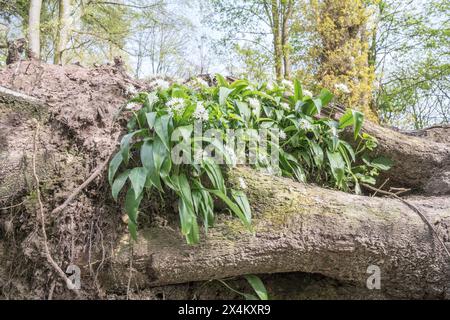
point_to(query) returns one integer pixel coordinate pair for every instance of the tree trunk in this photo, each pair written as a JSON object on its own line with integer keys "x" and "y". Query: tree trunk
{"x": 277, "y": 45}
{"x": 289, "y": 7}
{"x": 34, "y": 22}
{"x": 63, "y": 30}
{"x": 309, "y": 229}
{"x": 298, "y": 227}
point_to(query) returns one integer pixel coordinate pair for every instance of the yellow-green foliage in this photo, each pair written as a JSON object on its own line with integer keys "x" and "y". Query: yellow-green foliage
{"x": 342, "y": 52}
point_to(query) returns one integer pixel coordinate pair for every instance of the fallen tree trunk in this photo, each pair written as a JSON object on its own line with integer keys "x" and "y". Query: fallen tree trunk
{"x": 420, "y": 164}
{"x": 309, "y": 229}
{"x": 298, "y": 227}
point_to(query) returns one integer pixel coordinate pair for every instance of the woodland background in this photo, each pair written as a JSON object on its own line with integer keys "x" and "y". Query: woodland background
{"x": 392, "y": 55}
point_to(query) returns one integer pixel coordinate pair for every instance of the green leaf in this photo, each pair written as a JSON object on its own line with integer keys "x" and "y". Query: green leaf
{"x": 215, "y": 174}
{"x": 131, "y": 207}
{"x": 317, "y": 153}
{"x": 337, "y": 165}
{"x": 223, "y": 95}
{"x": 221, "y": 81}
{"x": 159, "y": 153}
{"x": 149, "y": 163}
{"x": 151, "y": 119}
{"x": 325, "y": 97}
{"x": 138, "y": 176}
{"x": 162, "y": 129}
{"x": 233, "y": 207}
{"x": 184, "y": 131}
{"x": 258, "y": 286}
{"x": 346, "y": 120}
{"x": 358, "y": 122}
{"x": 115, "y": 163}
{"x": 382, "y": 163}
{"x": 125, "y": 146}
{"x": 186, "y": 216}
{"x": 349, "y": 149}
{"x": 119, "y": 183}
{"x": 244, "y": 110}
{"x": 242, "y": 202}
{"x": 298, "y": 91}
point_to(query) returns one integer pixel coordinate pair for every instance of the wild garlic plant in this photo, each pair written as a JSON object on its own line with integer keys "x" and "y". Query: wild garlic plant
{"x": 181, "y": 137}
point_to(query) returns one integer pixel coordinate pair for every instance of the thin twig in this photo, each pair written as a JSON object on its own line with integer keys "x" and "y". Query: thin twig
{"x": 13, "y": 206}
{"x": 80, "y": 188}
{"x": 415, "y": 209}
{"x": 381, "y": 187}
{"x": 49, "y": 257}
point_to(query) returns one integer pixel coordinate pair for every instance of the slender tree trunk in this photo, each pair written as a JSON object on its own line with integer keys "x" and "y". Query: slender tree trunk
{"x": 287, "y": 14}
{"x": 63, "y": 30}
{"x": 277, "y": 45}
{"x": 34, "y": 22}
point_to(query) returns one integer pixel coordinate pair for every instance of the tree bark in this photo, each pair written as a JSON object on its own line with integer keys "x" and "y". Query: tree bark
{"x": 34, "y": 22}
{"x": 420, "y": 164}
{"x": 308, "y": 229}
{"x": 289, "y": 7}
{"x": 277, "y": 45}
{"x": 63, "y": 30}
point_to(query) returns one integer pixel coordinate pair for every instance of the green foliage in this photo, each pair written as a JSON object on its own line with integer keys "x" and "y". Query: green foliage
{"x": 309, "y": 147}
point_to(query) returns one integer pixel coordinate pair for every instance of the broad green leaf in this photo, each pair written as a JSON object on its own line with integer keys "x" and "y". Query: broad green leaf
{"x": 149, "y": 163}
{"x": 349, "y": 148}
{"x": 138, "y": 176}
{"x": 162, "y": 129}
{"x": 242, "y": 202}
{"x": 215, "y": 174}
{"x": 193, "y": 235}
{"x": 223, "y": 95}
{"x": 222, "y": 81}
{"x": 346, "y": 120}
{"x": 244, "y": 110}
{"x": 186, "y": 216}
{"x": 358, "y": 122}
{"x": 125, "y": 146}
{"x": 317, "y": 153}
{"x": 337, "y": 165}
{"x": 115, "y": 163}
{"x": 325, "y": 97}
{"x": 131, "y": 207}
{"x": 258, "y": 286}
{"x": 382, "y": 163}
{"x": 183, "y": 131}
{"x": 151, "y": 119}
{"x": 298, "y": 90}
{"x": 233, "y": 207}
{"x": 159, "y": 153}
{"x": 118, "y": 184}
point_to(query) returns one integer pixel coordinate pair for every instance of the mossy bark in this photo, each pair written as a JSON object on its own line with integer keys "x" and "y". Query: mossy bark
{"x": 303, "y": 228}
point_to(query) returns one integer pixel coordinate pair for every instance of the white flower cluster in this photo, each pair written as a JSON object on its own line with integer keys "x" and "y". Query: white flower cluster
{"x": 288, "y": 85}
{"x": 152, "y": 98}
{"x": 175, "y": 105}
{"x": 285, "y": 106}
{"x": 270, "y": 85}
{"x": 282, "y": 135}
{"x": 242, "y": 183}
{"x": 160, "y": 84}
{"x": 200, "y": 112}
{"x": 131, "y": 90}
{"x": 254, "y": 103}
{"x": 342, "y": 87}
{"x": 134, "y": 106}
{"x": 307, "y": 93}
{"x": 197, "y": 83}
